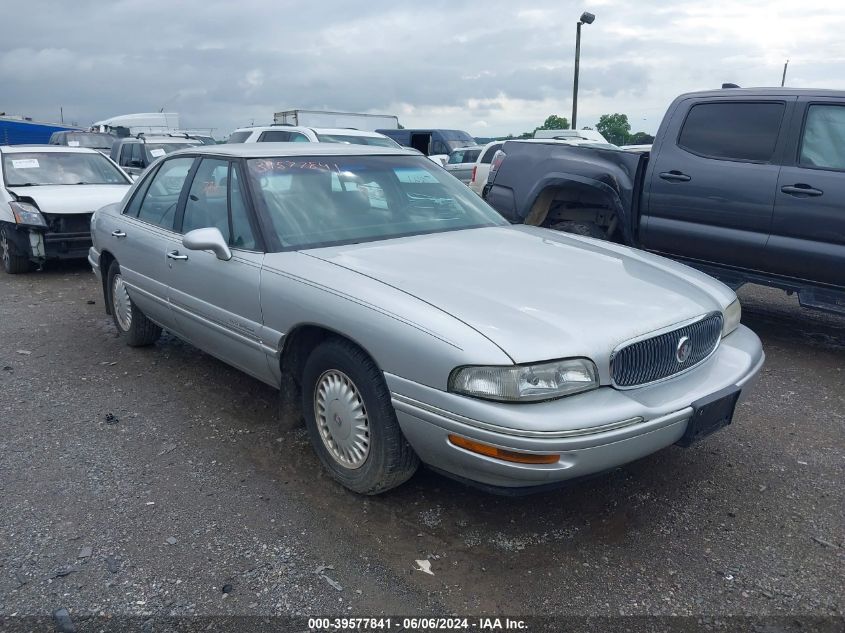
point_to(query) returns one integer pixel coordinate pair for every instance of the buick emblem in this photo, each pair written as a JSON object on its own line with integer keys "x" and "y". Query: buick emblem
{"x": 683, "y": 349}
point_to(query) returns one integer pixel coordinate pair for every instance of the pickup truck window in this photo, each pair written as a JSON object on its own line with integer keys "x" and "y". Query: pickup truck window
{"x": 823, "y": 143}
{"x": 733, "y": 131}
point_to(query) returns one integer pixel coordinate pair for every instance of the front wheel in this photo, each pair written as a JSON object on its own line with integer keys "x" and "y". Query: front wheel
{"x": 13, "y": 262}
{"x": 351, "y": 421}
{"x": 134, "y": 326}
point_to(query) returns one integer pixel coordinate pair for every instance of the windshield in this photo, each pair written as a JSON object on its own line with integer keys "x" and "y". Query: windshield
{"x": 457, "y": 144}
{"x": 157, "y": 150}
{"x": 94, "y": 141}
{"x": 379, "y": 141}
{"x": 58, "y": 168}
{"x": 312, "y": 202}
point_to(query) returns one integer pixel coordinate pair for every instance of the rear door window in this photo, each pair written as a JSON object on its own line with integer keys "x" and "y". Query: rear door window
{"x": 823, "y": 141}
{"x": 162, "y": 197}
{"x": 740, "y": 131}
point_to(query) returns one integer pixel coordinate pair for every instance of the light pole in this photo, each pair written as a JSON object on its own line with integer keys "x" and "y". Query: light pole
{"x": 586, "y": 18}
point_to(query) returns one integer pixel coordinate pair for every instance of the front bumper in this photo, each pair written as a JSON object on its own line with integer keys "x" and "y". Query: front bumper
{"x": 592, "y": 432}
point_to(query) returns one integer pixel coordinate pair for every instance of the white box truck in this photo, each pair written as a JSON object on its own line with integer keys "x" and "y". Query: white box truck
{"x": 321, "y": 118}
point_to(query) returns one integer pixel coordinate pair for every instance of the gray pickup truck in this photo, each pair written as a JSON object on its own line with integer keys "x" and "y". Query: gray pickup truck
{"x": 745, "y": 184}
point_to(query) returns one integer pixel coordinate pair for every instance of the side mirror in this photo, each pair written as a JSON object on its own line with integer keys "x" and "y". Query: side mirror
{"x": 208, "y": 239}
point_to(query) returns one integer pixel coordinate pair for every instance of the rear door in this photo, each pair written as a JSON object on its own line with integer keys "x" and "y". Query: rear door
{"x": 143, "y": 235}
{"x": 712, "y": 184}
{"x": 808, "y": 228}
{"x": 216, "y": 303}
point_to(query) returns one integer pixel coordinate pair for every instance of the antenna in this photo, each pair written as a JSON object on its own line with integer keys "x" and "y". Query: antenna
{"x": 783, "y": 79}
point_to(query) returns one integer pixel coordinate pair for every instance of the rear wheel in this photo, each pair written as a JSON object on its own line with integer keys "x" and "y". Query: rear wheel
{"x": 134, "y": 327}
{"x": 351, "y": 421}
{"x": 13, "y": 262}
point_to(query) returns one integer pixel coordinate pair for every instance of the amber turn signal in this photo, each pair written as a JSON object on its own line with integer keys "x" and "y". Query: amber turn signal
{"x": 501, "y": 453}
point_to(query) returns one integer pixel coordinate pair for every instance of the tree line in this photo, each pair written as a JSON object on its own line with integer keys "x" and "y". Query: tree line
{"x": 614, "y": 127}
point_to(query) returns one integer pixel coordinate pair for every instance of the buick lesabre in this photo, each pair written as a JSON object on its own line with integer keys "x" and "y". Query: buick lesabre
{"x": 407, "y": 322}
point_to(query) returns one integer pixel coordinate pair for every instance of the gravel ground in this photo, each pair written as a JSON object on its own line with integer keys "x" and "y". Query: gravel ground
{"x": 155, "y": 481}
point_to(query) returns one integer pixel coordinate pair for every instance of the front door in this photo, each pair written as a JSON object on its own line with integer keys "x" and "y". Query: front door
{"x": 216, "y": 303}
{"x": 808, "y": 228}
{"x": 711, "y": 189}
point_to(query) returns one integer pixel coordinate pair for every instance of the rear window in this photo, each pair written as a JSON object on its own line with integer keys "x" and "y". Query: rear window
{"x": 238, "y": 137}
{"x": 491, "y": 151}
{"x": 733, "y": 131}
{"x": 354, "y": 139}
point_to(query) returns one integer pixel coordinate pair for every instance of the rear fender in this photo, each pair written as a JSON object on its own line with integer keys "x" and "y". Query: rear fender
{"x": 547, "y": 189}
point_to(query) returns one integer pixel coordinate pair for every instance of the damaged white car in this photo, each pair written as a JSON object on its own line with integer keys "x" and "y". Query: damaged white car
{"x": 46, "y": 202}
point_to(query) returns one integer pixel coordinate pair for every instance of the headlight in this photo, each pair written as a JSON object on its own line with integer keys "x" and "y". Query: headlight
{"x": 732, "y": 317}
{"x": 28, "y": 214}
{"x": 526, "y": 383}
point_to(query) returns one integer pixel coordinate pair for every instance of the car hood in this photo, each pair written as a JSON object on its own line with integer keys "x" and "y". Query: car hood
{"x": 538, "y": 294}
{"x": 71, "y": 198}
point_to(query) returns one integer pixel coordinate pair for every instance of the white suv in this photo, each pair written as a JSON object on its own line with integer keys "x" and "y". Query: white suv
{"x": 292, "y": 134}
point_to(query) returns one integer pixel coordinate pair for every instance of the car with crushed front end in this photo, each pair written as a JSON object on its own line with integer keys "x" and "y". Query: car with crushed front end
{"x": 47, "y": 197}
{"x": 408, "y": 322}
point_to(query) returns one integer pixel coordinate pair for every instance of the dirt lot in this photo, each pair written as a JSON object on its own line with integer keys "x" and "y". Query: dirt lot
{"x": 155, "y": 481}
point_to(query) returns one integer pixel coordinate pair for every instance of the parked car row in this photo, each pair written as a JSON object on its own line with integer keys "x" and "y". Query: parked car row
{"x": 329, "y": 249}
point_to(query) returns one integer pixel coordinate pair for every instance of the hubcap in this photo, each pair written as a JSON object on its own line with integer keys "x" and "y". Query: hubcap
{"x": 121, "y": 304}
{"x": 342, "y": 419}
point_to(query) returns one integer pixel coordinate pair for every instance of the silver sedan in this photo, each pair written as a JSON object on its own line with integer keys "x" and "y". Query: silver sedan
{"x": 406, "y": 321}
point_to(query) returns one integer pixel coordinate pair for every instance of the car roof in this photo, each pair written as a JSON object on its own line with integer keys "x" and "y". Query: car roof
{"x": 465, "y": 148}
{"x": 317, "y": 130}
{"x": 58, "y": 149}
{"x": 765, "y": 92}
{"x": 270, "y": 150}
{"x": 159, "y": 139}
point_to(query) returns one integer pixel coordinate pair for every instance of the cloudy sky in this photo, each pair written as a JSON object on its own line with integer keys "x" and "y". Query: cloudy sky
{"x": 490, "y": 67}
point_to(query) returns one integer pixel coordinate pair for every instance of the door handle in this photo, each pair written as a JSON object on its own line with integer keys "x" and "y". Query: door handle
{"x": 118, "y": 233}
{"x": 801, "y": 189}
{"x": 674, "y": 176}
{"x": 176, "y": 255}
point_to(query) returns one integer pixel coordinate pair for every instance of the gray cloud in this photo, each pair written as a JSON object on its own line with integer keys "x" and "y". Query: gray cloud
{"x": 494, "y": 69}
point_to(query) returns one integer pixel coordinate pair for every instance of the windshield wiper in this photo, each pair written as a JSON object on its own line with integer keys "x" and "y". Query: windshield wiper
{"x": 25, "y": 184}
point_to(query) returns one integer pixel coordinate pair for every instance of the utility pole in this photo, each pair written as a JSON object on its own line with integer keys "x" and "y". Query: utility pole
{"x": 586, "y": 18}
{"x": 783, "y": 79}
{"x": 62, "y": 114}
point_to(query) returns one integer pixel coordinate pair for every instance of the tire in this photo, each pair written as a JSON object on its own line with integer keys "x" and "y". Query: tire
{"x": 340, "y": 379}
{"x": 13, "y": 262}
{"x": 587, "y": 229}
{"x": 132, "y": 324}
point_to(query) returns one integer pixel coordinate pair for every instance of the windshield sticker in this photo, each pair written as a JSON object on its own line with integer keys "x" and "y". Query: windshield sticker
{"x": 264, "y": 166}
{"x": 157, "y": 152}
{"x": 73, "y": 143}
{"x": 414, "y": 175}
{"x": 25, "y": 163}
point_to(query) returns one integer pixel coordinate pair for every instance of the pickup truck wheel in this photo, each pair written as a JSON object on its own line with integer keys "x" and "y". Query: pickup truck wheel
{"x": 587, "y": 229}
{"x": 351, "y": 421}
{"x": 132, "y": 324}
{"x": 13, "y": 262}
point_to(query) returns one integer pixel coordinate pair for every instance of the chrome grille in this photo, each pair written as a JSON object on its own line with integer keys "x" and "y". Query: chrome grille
{"x": 655, "y": 358}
